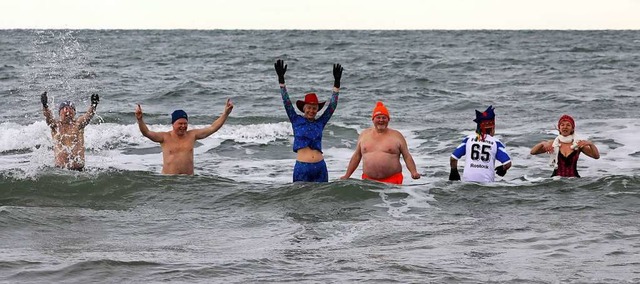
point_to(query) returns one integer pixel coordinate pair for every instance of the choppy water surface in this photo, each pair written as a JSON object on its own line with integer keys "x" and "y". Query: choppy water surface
{"x": 241, "y": 220}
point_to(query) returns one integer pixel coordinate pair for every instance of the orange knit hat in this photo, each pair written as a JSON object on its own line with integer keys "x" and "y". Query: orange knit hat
{"x": 380, "y": 109}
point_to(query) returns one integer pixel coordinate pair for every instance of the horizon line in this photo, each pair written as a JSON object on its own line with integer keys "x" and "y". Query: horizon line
{"x": 325, "y": 29}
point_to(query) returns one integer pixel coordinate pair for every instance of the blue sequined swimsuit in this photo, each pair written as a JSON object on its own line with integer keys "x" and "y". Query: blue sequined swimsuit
{"x": 308, "y": 133}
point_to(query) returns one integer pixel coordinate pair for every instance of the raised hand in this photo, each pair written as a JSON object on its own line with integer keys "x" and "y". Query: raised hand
{"x": 138, "y": 112}
{"x": 337, "y": 74}
{"x": 43, "y": 100}
{"x": 281, "y": 68}
{"x": 228, "y": 107}
{"x": 94, "y": 100}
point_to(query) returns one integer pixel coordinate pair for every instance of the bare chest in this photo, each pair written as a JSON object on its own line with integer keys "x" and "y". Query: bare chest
{"x": 380, "y": 144}
{"x": 67, "y": 133}
{"x": 565, "y": 149}
{"x": 178, "y": 146}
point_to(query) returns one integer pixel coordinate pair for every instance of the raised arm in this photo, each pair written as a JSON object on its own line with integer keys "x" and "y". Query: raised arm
{"x": 85, "y": 118}
{"x": 153, "y": 136}
{"x": 354, "y": 162}
{"x": 333, "y": 103}
{"x": 206, "y": 132}
{"x": 281, "y": 68}
{"x": 48, "y": 116}
{"x": 408, "y": 159}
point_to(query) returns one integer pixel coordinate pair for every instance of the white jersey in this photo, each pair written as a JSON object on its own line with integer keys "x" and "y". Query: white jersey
{"x": 481, "y": 156}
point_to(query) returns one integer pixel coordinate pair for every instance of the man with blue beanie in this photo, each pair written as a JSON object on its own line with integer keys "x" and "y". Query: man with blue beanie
{"x": 177, "y": 145}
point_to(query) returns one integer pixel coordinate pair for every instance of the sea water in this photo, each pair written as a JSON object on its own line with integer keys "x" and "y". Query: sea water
{"x": 240, "y": 219}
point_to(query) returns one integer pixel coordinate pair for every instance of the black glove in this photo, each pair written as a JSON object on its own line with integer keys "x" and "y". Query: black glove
{"x": 454, "y": 175}
{"x": 43, "y": 100}
{"x": 94, "y": 100}
{"x": 281, "y": 68}
{"x": 337, "y": 74}
{"x": 501, "y": 171}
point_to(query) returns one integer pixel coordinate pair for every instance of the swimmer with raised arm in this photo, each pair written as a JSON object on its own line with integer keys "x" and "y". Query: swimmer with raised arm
{"x": 68, "y": 132}
{"x": 177, "y": 145}
{"x": 307, "y": 130}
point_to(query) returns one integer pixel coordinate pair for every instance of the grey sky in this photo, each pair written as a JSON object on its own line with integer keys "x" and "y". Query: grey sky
{"x": 326, "y": 14}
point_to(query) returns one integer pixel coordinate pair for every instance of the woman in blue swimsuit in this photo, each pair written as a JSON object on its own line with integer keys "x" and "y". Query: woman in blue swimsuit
{"x": 307, "y": 130}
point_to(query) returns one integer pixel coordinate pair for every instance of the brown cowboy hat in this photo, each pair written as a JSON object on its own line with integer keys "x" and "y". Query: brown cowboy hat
{"x": 311, "y": 99}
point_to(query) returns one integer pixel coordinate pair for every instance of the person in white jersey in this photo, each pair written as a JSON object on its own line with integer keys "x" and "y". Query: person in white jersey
{"x": 482, "y": 151}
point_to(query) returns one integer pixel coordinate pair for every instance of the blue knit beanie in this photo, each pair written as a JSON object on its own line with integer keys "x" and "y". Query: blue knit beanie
{"x": 178, "y": 114}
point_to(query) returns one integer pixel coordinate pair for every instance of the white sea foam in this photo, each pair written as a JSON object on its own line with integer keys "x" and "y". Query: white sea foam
{"x": 109, "y": 145}
{"x": 27, "y": 148}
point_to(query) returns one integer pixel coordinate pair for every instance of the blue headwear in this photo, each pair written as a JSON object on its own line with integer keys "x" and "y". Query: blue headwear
{"x": 66, "y": 104}
{"x": 178, "y": 114}
{"x": 486, "y": 115}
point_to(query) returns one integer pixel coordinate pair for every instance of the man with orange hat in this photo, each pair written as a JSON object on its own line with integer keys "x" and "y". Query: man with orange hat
{"x": 380, "y": 148}
{"x": 68, "y": 132}
{"x": 482, "y": 150}
{"x": 307, "y": 130}
{"x": 566, "y": 148}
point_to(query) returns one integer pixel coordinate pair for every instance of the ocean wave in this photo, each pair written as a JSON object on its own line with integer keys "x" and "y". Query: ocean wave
{"x": 81, "y": 271}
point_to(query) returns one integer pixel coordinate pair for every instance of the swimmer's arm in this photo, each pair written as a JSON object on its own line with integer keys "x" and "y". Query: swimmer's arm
{"x": 153, "y": 136}
{"x": 85, "y": 118}
{"x": 337, "y": 75}
{"x": 333, "y": 104}
{"x": 48, "y": 117}
{"x": 542, "y": 147}
{"x": 453, "y": 173}
{"x": 288, "y": 106}
{"x": 453, "y": 163}
{"x": 215, "y": 126}
{"x": 408, "y": 159}
{"x": 589, "y": 149}
{"x": 354, "y": 162}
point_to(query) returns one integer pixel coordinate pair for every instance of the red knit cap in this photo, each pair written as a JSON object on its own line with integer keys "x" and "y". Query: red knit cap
{"x": 569, "y": 119}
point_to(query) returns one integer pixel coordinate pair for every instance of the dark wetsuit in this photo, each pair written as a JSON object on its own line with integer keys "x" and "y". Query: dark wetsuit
{"x": 308, "y": 133}
{"x": 567, "y": 166}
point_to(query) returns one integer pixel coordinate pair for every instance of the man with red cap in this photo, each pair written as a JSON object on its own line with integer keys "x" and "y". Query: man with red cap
{"x": 482, "y": 151}
{"x": 566, "y": 148}
{"x": 307, "y": 130}
{"x": 379, "y": 148}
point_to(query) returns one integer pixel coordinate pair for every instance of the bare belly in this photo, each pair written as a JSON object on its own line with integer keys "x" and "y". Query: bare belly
{"x": 309, "y": 155}
{"x": 381, "y": 164}
{"x": 178, "y": 164}
{"x": 70, "y": 157}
